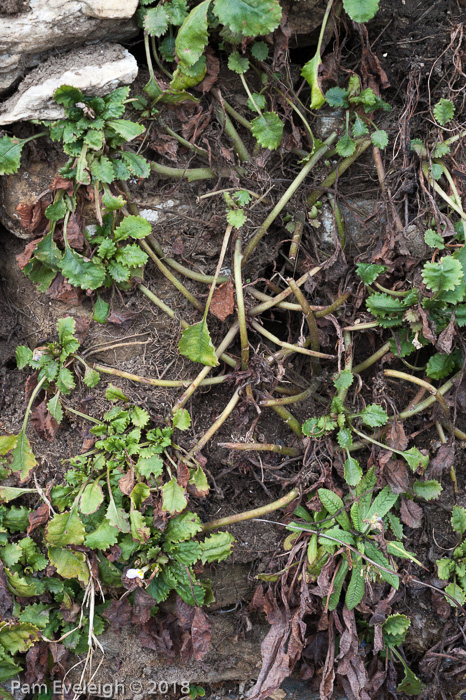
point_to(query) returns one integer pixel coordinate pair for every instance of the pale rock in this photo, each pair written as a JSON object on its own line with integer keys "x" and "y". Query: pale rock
{"x": 96, "y": 70}
{"x": 40, "y": 26}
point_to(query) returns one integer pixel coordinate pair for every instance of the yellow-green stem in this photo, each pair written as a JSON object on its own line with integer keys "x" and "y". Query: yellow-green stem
{"x": 249, "y": 514}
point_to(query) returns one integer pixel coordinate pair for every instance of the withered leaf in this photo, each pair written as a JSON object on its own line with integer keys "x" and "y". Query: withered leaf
{"x": 118, "y": 613}
{"x": 63, "y": 291}
{"x": 126, "y": 483}
{"x": 223, "y": 301}
{"x": 43, "y": 422}
{"x": 411, "y": 513}
{"x": 443, "y": 460}
{"x": 142, "y": 604}
{"x": 37, "y": 659}
{"x": 39, "y": 516}
{"x": 23, "y": 258}
{"x": 397, "y": 476}
{"x": 200, "y": 634}
{"x": 6, "y": 601}
{"x": 396, "y": 437}
{"x": 446, "y": 338}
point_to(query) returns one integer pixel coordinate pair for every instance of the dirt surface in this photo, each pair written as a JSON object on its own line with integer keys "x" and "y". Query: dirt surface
{"x": 13, "y": 7}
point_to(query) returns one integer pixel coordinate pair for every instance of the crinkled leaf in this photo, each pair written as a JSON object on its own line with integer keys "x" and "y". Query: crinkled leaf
{"x": 103, "y": 537}
{"x": 346, "y": 146}
{"x": 137, "y": 165}
{"x": 23, "y": 457}
{"x": 102, "y": 169}
{"x": 268, "y": 130}
{"x": 369, "y": 272}
{"x": 155, "y": 21}
{"x": 18, "y": 637}
{"x": 382, "y": 504}
{"x": 181, "y": 419}
{"x": 69, "y": 564}
{"x": 65, "y": 528}
{"x": 458, "y": 519}
{"x": 333, "y": 503}
{"x": 380, "y": 138}
{"x": 394, "y": 629}
{"x": 434, "y": 239}
{"x": 126, "y": 129}
{"x": 343, "y": 380}
{"x": 236, "y": 218}
{"x": 355, "y": 590}
{"x": 196, "y": 344}
{"x": 23, "y": 356}
{"x": 374, "y": 415}
{"x": 441, "y": 365}
{"x": 361, "y": 10}
{"x": 416, "y": 459}
{"x": 81, "y": 273}
{"x": 310, "y": 73}
{"x": 216, "y": 547}
{"x": 183, "y": 527}
{"x": 112, "y": 203}
{"x": 10, "y": 155}
{"x": 238, "y": 64}
{"x": 65, "y": 380}
{"x": 132, "y": 227}
{"x": 374, "y": 554}
{"x": 444, "y": 275}
{"x": 114, "y": 393}
{"x": 428, "y": 490}
{"x": 359, "y": 127}
{"x": 337, "y": 97}
{"x": 150, "y": 466}
{"x": 260, "y": 50}
{"x": 444, "y": 111}
{"x": 67, "y": 95}
{"x": 173, "y": 498}
{"x": 249, "y": 17}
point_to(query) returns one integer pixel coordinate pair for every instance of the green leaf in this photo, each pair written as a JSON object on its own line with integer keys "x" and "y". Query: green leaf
{"x": 131, "y": 255}
{"x": 416, "y": 459}
{"x": 398, "y": 550}
{"x": 441, "y": 150}
{"x": 182, "y": 527}
{"x": 81, "y": 273}
{"x": 458, "y": 519}
{"x": 344, "y": 437}
{"x": 337, "y": 533}
{"x": 260, "y": 50}
{"x": 384, "y": 304}
{"x": 353, "y": 472}
{"x": 65, "y": 381}
{"x": 101, "y": 311}
{"x": 156, "y": 21}
{"x": 337, "y": 97}
{"x": 23, "y": 356}
{"x": 382, "y": 504}
{"x": 69, "y": 564}
{"x": 310, "y": 73}
{"x": 137, "y": 165}
{"x": 444, "y": 275}
{"x": 445, "y": 568}
{"x": 359, "y": 127}
{"x": 361, "y": 10}
{"x": 54, "y": 407}
{"x": 343, "y": 380}
{"x": 18, "y": 637}
{"x": 10, "y": 155}
{"x": 444, "y": 111}
{"x": 23, "y": 457}
{"x": 67, "y": 95}
{"x": 346, "y": 146}
{"x": 238, "y": 64}
{"x": 36, "y": 614}
{"x": 236, "y": 218}
{"x": 117, "y": 517}
{"x": 268, "y": 130}
{"x": 199, "y": 481}
{"x": 114, "y": 393}
{"x": 216, "y": 547}
{"x": 196, "y": 344}
{"x": 94, "y": 139}
{"x": 112, "y": 203}
{"x": 102, "y": 169}
{"x": 150, "y": 466}
{"x": 139, "y": 529}
{"x": 103, "y": 537}
{"x": 374, "y": 416}
{"x": 355, "y": 590}
{"x": 91, "y": 377}
{"x": 9, "y": 493}
{"x": 369, "y": 272}
{"x": 394, "y": 629}
{"x": 192, "y": 36}
{"x": 373, "y": 553}
{"x": 434, "y": 239}
{"x": 48, "y": 253}
{"x": 125, "y": 128}
{"x": 429, "y": 490}
{"x": 249, "y": 17}
{"x": 441, "y": 365}
{"x": 7, "y": 443}
{"x": 455, "y": 591}
{"x": 181, "y": 419}
{"x": 333, "y": 504}
{"x": 177, "y": 11}
{"x": 132, "y": 227}
{"x": 167, "y": 48}
{"x": 259, "y": 103}
{"x": 338, "y": 585}
{"x": 411, "y": 685}
{"x": 65, "y": 528}
{"x": 91, "y": 498}
{"x": 380, "y": 139}
{"x": 173, "y": 498}
{"x": 118, "y": 271}
{"x": 56, "y": 211}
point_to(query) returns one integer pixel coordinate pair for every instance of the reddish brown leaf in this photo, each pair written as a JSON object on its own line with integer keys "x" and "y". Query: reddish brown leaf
{"x": 39, "y": 516}
{"x": 195, "y": 125}
{"x": 37, "y": 659}
{"x": 23, "y": 258}
{"x": 166, "y": 146}
{"x": 74, "y": 232}
{"x": 443, "y": 460}
{"x": 440, "y": 605}
{"x": 70, "y": 610}
{"x": 373, "y": 74}
{"x": 178, "y": 246}
{"x": 119, "y": 613}
{"x": 126, "y": 483}
{"x": 61, "y": 290}
{"x": 182, "y": 474}
{"x": 115, "y": 553}
{"x": 82, "y": 324}
{"x": 446, "y": 338}
{"x": 328, "y": 672}
{"x": 154, "y": 636}
{"x": 281, "y": 39}
{"x": 411, "y": 513}
{"x": 427, "y": 331}
{"x": 211, "y": 76}
{"x": 6, "y": 601}
{"x": 223, "y": 301}
{"x": 397, "y": 476}
{"x": 43, "y": 422}
{"x": 32, "y": 216}
{"x": 142, "y": 604}
{"x": 121, "y": 318}
{"x": 61, "y": 183}
{"x": 396, "y": 437}
{"x": 200, "y": 634}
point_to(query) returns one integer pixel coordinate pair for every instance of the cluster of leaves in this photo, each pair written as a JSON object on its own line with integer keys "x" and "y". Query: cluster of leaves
{"x": 93, "y": 135}
{"x": 440, "y": 300}
{"x": 372, "y": 416}
{"x": 454, "y": 569}
{"x": 236, "y": 215}
{"x": 394, "y": 631}
{"x": 121, "y": 496}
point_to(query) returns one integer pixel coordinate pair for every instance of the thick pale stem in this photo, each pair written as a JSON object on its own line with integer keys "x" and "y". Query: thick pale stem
{"x": 311, "y": 322}
{"x": 250, "y": 514}
{"x": 216, "y": 425}
{"x": 289, "y": 419}
{"x": 289, "y": 346}
{"x": 243, "y": 331}
{"x": 238, "y": 145}
{"x": 260, "y": 308}
{"x": 420, "y": 382}
{"x": 261, "y": 447}
{"x": 174, "y": 383}
{"x": 372, "y": 359}
{"x": 295, "y": 398}
{"x": 31, "y": 402}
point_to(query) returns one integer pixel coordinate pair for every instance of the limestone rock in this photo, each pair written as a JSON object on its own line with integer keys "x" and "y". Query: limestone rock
{"x": 96, "y": 70}
{"x": 37, "y": 27}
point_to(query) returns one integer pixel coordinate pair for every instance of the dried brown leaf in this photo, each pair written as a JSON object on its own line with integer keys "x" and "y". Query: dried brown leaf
{"x": 39, "y": 516}
{"x": 23, "y": 258}
{"x": 411, "y": 513}
{"x": 143, "y": 602}
{"x": 223, "y": 301}
{"x": 126, "y": 483}
{"x": 63, "y": 291}
{"x": 37, "y": 659}
{"x": 397, "y": 475}
{"x": 119, "y": 613}
{"x": 200, "y": 634}
{"x": 211, "y": 76}
{"x": 396, "y": 437}
{"x": 43, "y": 422}
{"x": 6, "y": 601}
{"x": 61, "y": 183}
{"x": 443, "y": 460}
{"x": 446, "y": 338}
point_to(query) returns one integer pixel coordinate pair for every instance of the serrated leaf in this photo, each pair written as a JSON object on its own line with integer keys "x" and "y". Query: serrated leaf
{"x": 103, "y": 537}
{"x": 343, "y": 380}
{"x": 23, "y": 456}
{"x": 346, "y": 146}
{"x": 118, "y": 271}
{"x": 181, "y": 419}
{"x": 155, "y": 21}
{"x": 441, "y": 365}
{"x": 248, "y": 17}
{"x": 37, "y": 614}
{"x": 117, "y": 517}
{"x": 94, "y": 139}
{"x": 445, "y": 567}
{"x": 259, "y": 103}
{"x": 268, "y": 130}
{"x": 65, "y": 528}
{"x": 54, "y": 407}
{"x": 380, "y": 138}
{"x": 355, "y": 590}
{"x": 125, "y": 128}
{"x": 444, "y": 111}
{"x": 81, "y": 273}
{"x": 139, "y": 417}
{"x": 216, "y": 547}
{"x": 10, "y": 155}
{"x": 23, "y": 356}
{"x": 337, "y": 97}
{"x": 132, "y": 227}
{"x": 333, "y": 503}
{"x": 91, "y": 498}
{"x": 353, "y": 472}
{"x": 65, "y": 380}
{"x": 310, "y": 73}
{"x": 150, "y": 466}
{"x": 112, "y": 203}
{"x": 69, "y": 564}
{"x": 434, "y": 239}
{"x": 374, "y": 416}
{"x": 91, "y": 378}
{"x": 394, "y": 629}
{"x": 415, "y": 458}
{"x": 384, "y": 304}
{"x": 173, "y": 498}
{"x": 67, "y": 95}
{"x": 183, "y": 527}
{"x": 167, "y": 48}
{"x": 411, "y": 685}
{"x": 102, "y": 169}
{"x": 137, "y": 165}
{"x": 238, "y": 64}
{"x": 260, "y": 50}
{"x": 196, "y": 344}
{"x": 359, "y": 127}
{"x": 192, "y": 36}
{"x": 369, "y": 272}
{"x": 382, "y": 504}
{"x": 361, "y": 10}
{"x": 199, "y": 481}
{"x": 374, "y": 554}
{"x": 444, "y": 275}
{"x": 429, "y": 490}
{"x": 441, "y": 150}
{"x": 114, "y": 393}
{"x": 18, "y": 637}
{"x": 458, "y": 519}
{"x": 236, "y": 218}
{"x": 101, "y": 311}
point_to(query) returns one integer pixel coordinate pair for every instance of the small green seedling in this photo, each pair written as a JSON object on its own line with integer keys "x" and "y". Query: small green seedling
{"x": 454, "y": 569}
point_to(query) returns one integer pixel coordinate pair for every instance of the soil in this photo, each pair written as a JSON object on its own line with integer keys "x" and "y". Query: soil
{"x": 13, "y": 7}
{"x": 417, "y": 46}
